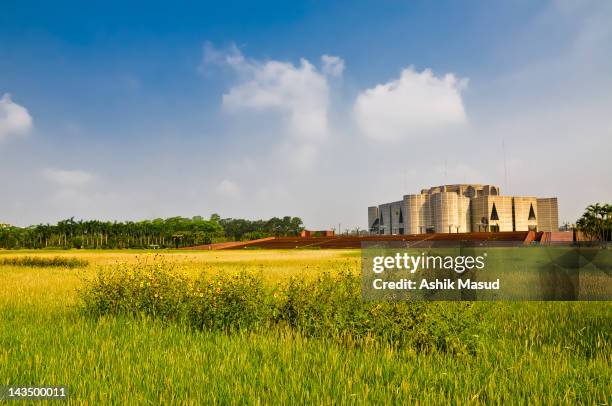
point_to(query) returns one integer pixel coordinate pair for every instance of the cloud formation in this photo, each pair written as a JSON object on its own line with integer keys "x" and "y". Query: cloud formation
{"x": 299, "y": 94}
{"x": 332, "y": 65}
{"x": 14, "y": 118}
{"x": 415, "y": 104}
{"x": 68, "y": 178}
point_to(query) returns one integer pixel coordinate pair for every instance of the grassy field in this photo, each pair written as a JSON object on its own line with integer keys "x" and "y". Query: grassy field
{"x": 527, "y": 353}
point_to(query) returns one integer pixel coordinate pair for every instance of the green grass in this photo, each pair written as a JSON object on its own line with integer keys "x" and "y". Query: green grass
{"x": 123, "y": 360}
{"x": 525, "y": 353}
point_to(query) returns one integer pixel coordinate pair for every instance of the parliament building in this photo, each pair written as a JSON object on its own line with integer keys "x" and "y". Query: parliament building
{"x": 463, "y": 208}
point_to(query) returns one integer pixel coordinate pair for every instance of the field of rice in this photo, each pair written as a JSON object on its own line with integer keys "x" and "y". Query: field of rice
{"x": 280, "y": 327}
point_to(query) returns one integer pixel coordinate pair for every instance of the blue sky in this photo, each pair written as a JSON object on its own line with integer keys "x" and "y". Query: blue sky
{"x": 136, "y": 111}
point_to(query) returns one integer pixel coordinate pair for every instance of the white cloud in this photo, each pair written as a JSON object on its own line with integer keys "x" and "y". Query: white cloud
{"x": 414, "y": 104}
{"x": 14, "y": 118}
{"x": 68, "y": 178}
{"x": 302, "y": 156}
{"x": 297, "y": 93}
{"x": 332, "y": 65}
{"x": 227, "y": 188}
{"x": 231, "y": 57}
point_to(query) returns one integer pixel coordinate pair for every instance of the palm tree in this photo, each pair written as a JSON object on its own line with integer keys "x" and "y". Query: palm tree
{"x": 596, "y": 222}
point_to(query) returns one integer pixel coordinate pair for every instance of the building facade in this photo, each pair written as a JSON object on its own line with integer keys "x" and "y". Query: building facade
{"x": 461, "y": 209}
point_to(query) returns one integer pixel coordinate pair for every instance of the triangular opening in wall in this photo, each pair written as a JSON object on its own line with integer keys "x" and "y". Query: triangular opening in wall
{"x": 494, "y": 215}
{"x": 531, "y": 213}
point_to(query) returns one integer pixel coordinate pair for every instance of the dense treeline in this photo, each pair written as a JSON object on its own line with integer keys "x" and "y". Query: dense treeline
{"x": 240, "y": 229}
{"x": 173, "y": 232}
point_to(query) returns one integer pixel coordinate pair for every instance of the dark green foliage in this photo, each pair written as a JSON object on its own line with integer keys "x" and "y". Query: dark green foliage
{"x": 332, "y": 305}
{"x": 242, "y": 230}
{"x": 596, "y": 222}
{"x": 173, "y": 232}
{"x": 41, "y": 262}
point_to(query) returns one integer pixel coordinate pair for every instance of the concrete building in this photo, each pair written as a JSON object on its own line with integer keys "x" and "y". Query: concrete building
{"x": 461, "y": 209}
{"x": 548, "y": 214}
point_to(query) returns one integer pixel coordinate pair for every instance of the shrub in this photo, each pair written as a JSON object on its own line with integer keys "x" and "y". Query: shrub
{"x": 156, "y": 290}
{"x": 332, "y": 305}
{"x": 329, "y": 306}
{"x": 229, "y": 302}
{"x": 225, "y": 302}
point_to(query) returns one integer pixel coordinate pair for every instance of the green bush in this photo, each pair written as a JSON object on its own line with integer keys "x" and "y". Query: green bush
{"x": 229, "y": 302}
{"x": 329, "y": 306}
{"x": 332, "y": 305}
{"x": 155, "y": 290}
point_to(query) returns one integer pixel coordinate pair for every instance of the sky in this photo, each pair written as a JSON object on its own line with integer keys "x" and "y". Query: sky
{"x": 309, "y": 109}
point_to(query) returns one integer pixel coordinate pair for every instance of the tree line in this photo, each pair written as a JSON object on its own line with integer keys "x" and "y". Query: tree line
{"x": 173, "y": 232}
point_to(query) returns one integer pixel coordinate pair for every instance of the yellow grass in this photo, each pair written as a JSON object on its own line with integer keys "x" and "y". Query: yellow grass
{"x": 57, "y": 287}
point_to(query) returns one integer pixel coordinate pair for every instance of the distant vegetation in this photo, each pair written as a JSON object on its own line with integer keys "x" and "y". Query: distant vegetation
{"x": 596, "y": 222}
{"x": 244, "y": 230}
{"x": 41, "y": 262}
{"x": 173, "y": 232}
